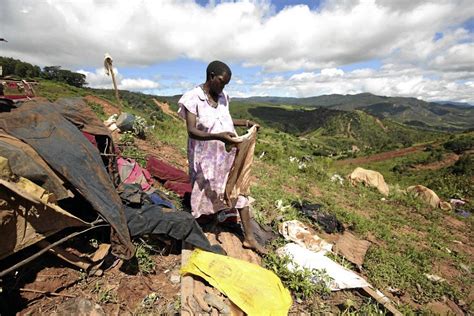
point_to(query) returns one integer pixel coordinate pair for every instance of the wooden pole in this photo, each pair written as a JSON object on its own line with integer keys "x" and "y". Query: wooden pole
{"x": 110, "y": 70}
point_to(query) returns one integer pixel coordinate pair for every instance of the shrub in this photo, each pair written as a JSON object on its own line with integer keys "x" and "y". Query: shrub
{"x": 460, "y": 144}
{"x": 464, "y": 166}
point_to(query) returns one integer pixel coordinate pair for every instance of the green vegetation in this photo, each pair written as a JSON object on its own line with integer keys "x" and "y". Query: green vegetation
{"x": 20, "y": 69}
{"x": 302, "y": 282}
{"x": 146, "y": 264}
{"x": 104, "y": 295}
{"x": 336, "y": 133}
{"x": 460, "y": 144}
{"x": 428, "y": 115}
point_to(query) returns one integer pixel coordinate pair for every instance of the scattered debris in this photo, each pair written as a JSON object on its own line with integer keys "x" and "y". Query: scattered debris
{"x": 369, "y": 178}
{"x": 352, "y": 248}
{"x": 175, "y": 278}
{"x": 337, "y": 178}
{"x": 328, "y": 222}
{"x": 429, "y": 197}
{"x": 462, "y": 213}
{"x": 342, "y": 278}
{"x": 263, "y": 293}
{"x": 299, "y": 233}
{"x": 434, "y": 278}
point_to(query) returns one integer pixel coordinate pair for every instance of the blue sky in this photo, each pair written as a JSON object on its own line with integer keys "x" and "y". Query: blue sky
{"x": 410, "y": 48}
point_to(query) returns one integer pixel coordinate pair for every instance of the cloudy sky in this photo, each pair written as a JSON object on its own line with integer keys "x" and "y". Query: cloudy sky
{"x": 423, "y": 49}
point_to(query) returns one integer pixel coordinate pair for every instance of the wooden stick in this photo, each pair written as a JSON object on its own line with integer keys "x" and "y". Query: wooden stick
{"x": 66, "y": 256}
{"x": 382, "y": 300}
{"x": 46, "y": 292}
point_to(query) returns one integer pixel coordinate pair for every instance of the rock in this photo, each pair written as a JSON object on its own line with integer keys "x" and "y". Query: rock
{"x": 175, "y": 279}
{"x": 465, "y": 268}
{"x": 434, "y": 278}
{"x": 79, "y": 306}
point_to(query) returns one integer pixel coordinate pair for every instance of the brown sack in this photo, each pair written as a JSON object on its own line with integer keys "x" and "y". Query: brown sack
{"x": 370, "y": 178}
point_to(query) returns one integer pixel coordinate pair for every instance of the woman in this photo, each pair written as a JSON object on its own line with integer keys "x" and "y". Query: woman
{"x": 210, "y": 127}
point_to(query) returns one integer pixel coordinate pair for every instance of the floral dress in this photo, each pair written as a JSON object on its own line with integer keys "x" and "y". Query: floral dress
{"x": 209, "y": 162}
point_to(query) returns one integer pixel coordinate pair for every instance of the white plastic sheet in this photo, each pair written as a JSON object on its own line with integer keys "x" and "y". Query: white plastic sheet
{"x": 342, "y": 278}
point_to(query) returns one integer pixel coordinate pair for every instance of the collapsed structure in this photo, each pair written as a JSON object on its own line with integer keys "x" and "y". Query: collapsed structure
{"x": 58, "y": 171}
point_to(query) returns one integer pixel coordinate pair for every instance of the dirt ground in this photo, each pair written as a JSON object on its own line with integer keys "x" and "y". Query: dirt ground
{"x": 47, "y": 285}
{"x": 448, "y": 160}
{"x": 382, "y": 156}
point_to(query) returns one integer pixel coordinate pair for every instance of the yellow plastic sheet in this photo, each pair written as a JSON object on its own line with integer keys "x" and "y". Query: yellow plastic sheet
{"x": 255, "y": 290}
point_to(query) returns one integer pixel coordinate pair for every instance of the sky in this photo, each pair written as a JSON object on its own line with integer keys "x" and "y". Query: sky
{"x": 411, "y": 48}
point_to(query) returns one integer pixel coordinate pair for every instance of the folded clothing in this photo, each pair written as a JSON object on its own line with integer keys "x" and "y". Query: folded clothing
{"x": 164, "y": 171}
{"x": 173, "y": 179}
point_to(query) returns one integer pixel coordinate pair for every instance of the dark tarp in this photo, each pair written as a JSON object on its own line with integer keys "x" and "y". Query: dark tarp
{"x": 328, "y": 222}
{"x": 151, "y": 219}
{"x": 25, "y": 162}
{"x": 144, "y": 218}
{"x": 62, "y": 145}
{"x": 76, "y": 111}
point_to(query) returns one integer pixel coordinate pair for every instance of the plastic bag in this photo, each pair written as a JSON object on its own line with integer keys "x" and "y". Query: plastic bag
{"x": 255, "y": 290}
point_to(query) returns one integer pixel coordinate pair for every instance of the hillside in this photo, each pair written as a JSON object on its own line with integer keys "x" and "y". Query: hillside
{"x": 335, "y": 131}
{"x": 408, "y": 239}
{"x": 410, "y": 111}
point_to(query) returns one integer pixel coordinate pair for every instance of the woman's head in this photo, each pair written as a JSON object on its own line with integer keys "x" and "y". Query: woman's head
{"x": 218, "y": 75}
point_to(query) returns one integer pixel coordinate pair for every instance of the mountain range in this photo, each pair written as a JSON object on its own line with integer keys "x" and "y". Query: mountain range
{"x": 446, "y": 116}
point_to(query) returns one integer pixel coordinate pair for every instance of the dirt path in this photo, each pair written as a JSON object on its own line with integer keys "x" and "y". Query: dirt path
{"x": 448, "y": 160}
{"x": 382, "y": 156}
{"x": 165, "y": 107}
{"x": 109, "y": 107}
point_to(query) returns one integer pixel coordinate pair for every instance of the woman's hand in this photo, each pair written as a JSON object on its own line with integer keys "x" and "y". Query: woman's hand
{"x": 228, "y": 138}
{"x": 252, "y": 123}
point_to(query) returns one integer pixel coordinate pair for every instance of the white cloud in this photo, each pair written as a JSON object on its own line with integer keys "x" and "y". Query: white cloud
{"x": 386, "y": 81}
{"x": 145, "y": 32}
{"x": 399, "y": 33}
{"x": 138, "y": 84}
{"x": 99, "y": 79}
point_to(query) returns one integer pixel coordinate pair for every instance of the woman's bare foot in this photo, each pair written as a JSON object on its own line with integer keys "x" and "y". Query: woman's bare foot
{"x": 254, "y": 245}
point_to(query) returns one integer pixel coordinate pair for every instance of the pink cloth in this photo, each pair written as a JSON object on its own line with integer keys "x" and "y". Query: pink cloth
{"x": 131, "y": 172}
{"x": 209, "y": 162}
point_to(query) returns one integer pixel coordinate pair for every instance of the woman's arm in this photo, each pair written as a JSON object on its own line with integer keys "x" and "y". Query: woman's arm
{"x": 193, "y": 132}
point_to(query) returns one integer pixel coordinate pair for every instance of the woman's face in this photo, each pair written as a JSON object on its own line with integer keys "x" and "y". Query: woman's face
{"x": 218, "y": 82}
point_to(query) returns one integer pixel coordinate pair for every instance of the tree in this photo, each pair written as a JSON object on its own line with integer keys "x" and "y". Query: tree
{"x": 62, "y": 75}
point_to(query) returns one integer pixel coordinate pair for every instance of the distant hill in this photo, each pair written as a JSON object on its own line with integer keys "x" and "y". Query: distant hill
{"x": 459, "y": 104}
{"x": 338, "y": 124}
{"x": 332, "y": 129}
{"x": 448, "y": 116}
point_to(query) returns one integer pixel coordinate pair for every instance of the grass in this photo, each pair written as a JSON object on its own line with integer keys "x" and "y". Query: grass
{"x": 146, "y": 264}
{"x": 302, "y": 282}
{"x": 401, "y": 258}
{"x": 368, "y": 307}
{"x": 98, "y": 110}
{"x": 104, "y": 295}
